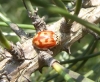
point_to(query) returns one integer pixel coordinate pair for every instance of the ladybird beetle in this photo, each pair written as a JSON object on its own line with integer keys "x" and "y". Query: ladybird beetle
{"x": 45, "y": 40}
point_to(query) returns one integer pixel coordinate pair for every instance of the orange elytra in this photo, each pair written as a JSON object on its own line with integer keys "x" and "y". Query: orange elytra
{"x": 45, "y": 40}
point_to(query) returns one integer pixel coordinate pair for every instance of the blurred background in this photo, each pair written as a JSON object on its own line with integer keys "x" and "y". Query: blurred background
{"x": 16, "y": 12}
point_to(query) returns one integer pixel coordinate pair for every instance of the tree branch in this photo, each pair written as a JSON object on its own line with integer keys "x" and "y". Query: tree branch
{"x": 20, "y": 71}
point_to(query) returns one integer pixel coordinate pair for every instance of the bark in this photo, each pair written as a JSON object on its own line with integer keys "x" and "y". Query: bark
{"x": 12, "y": 70}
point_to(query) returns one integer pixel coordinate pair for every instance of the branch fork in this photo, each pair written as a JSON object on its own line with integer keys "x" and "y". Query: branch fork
{"x": 32, "y": 57}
